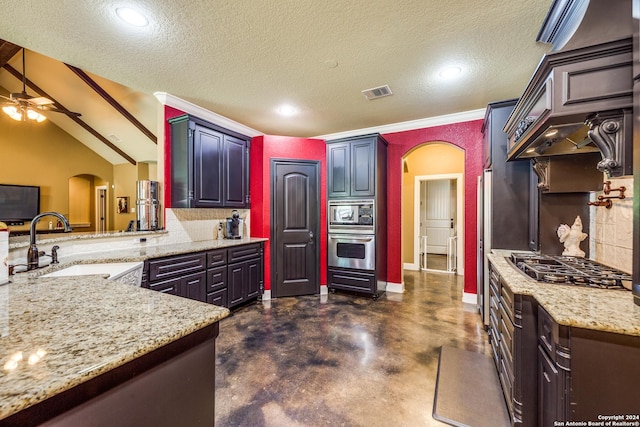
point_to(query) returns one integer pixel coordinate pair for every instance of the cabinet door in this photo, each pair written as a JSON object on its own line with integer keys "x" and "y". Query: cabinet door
{"x": 547, "y": 390}
{"x": 254, "y": 277}
{"x": 194, "y": 286}
{"x": 338, "y": 173}
{"x": 235, "y": 172}
{"x": 363, "y": 168}
{"x": 218, "y": 297}
{"x": 236, "y": 279}
{"x": 208, "y": 186}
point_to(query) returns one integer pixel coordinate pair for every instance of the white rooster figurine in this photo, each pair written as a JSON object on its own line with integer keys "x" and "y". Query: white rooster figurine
{"x": 571, "y": 237}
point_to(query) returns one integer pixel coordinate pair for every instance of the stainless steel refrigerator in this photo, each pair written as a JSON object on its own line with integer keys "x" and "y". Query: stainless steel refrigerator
{"x": 484, "y": 243}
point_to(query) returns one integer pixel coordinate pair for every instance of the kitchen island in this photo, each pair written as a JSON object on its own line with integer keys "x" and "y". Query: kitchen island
{"x": 562, "y": 352}
{"x": 84, "y": 348}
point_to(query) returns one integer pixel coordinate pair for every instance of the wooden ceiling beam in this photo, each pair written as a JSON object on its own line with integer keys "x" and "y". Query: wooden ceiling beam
{"x": 111, "y": 101}
{"x": 7, "y": 51}
{"x": 78, "y": 120}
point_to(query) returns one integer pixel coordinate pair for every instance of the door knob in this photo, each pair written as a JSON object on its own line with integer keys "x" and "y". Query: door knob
{"x": 311, "y": 237}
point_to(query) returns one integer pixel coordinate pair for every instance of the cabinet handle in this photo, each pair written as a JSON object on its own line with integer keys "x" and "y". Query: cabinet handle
{"x": 546, "y": 377}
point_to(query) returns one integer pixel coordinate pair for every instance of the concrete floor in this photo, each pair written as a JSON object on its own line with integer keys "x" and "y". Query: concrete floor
{"x": 342, "y": 360}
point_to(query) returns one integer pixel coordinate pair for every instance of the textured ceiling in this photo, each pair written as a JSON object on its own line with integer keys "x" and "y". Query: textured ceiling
{"x": 244, "y": 58}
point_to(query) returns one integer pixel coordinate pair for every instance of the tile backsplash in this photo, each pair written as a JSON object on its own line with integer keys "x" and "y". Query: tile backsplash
{"x": 193, "y": 225}
{"x": 611, "y": 230}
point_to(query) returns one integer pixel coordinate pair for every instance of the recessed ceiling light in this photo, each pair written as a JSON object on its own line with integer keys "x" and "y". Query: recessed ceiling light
{"x": 450, "y": 72}
{"x": 287, "y": 110}
{"x": 132, "y": 17}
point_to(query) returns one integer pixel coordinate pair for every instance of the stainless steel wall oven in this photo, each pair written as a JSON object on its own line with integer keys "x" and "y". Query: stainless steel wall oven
{"x": 356, "y": 251}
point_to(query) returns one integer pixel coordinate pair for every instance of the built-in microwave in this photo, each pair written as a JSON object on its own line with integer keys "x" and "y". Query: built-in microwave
{"x": 351, "y": 216}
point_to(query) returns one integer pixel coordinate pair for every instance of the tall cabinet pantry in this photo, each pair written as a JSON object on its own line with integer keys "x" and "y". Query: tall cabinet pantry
{"x": 356, "y": 209}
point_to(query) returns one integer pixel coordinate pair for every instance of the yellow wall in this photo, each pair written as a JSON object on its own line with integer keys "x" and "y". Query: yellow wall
{"x": 430, "y": 159}
{"x": 42, "y": 154}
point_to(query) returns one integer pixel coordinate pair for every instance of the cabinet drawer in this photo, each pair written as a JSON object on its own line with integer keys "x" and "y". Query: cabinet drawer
{"x": 164, "y": 268}
{"x": 216, "y": 258}
{"x": 547, "y": 332}
{"x": 506, "y": 330}
{"x": 495, "y": 352}
{"x": 244, "y": 252}
{"x": 507, "y": 301}
{"x": 216, "y": 279}
{"x": 171, "y": 286}
{"x": 351, "y": 281}
{"x": 218, "y": 297}
{"x": 506, "y": 337}
{"x": 507, "y": 361}
{"x": 507, "y": 387}
{"x": 494, "y": 326}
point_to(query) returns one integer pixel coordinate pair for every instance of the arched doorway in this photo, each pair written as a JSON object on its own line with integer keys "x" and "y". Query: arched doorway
{"x": 88, "y": 203}
{"x": 433, "y": 208}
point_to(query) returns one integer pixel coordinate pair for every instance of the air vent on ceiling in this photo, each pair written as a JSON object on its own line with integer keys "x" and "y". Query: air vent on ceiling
{"x": 377, "y": 92}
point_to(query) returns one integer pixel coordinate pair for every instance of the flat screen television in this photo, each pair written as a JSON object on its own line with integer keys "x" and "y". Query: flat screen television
{"x": 19, "y": 203}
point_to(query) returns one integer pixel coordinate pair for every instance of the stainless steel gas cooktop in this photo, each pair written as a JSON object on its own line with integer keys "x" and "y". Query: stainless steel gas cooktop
{"x": 570, "y": 271}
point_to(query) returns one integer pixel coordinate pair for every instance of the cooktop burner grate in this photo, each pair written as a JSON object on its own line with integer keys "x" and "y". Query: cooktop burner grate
{"x": 569, "y": 271}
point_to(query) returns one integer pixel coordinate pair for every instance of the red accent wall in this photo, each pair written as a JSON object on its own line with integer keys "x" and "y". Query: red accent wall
{"x": 169, "y": 113}
{"x": 465, "y": 135}
{"x": 263, "y": 149}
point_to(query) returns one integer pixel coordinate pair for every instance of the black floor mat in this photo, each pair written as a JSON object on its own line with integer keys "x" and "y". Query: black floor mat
{"x": 468, "y": 391}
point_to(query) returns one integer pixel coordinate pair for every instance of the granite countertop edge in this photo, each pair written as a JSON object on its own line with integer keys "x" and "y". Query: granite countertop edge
{"x": 596, "y": 309}
{"x": 140, "y": 252}
{"x": 51, "y": 304}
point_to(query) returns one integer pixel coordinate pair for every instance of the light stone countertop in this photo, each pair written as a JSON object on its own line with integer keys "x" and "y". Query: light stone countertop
{"x": 80, "y": 327}
{"x": 22, "y": 241}
{"x": 597, "y": 309}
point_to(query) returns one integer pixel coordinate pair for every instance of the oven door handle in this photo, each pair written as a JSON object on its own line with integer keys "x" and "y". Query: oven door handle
{"x": 361, "y": 239}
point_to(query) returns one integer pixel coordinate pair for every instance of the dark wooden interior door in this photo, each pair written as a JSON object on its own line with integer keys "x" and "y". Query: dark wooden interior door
{"x": 295, "y": 228}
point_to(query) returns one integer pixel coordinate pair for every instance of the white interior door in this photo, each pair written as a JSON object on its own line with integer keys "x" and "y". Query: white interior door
{"x": 438, "y": 220}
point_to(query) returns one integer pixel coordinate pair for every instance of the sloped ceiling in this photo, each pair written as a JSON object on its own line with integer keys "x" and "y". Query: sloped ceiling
{"x": 61, "y": 84}
{"x": 244, "y": 59}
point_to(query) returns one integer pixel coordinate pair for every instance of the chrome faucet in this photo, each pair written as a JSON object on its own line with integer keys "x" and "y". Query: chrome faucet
{"x": 32, "y": 254}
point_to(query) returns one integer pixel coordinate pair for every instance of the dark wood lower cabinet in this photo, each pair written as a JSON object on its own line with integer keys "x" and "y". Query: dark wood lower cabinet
{"x": 584, "y": 374}
{"x": 552, "y": 373}
{"x": 225, "y": 277}
{"x": 512, "y": 334}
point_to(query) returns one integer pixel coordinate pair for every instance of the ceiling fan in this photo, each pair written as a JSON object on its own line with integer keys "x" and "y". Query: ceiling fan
{"x": 22, "y": 106}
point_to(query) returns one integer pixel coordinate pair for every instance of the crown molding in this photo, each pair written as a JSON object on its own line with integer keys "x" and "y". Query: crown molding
{"x": 190, "y": 108}
{"x": 447, "y": 119}
{"x": 215, "y": 118}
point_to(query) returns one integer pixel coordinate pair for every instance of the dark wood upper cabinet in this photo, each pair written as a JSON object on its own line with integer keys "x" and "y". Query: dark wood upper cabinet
{"x": 351, "y": 166}
{"x": 209, "y": 165}
{"x": 338, "y": 170}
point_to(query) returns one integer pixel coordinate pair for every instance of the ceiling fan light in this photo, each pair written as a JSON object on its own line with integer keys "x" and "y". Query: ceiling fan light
{"x": 12, "y": 112}
{"x": 34, "y": 115}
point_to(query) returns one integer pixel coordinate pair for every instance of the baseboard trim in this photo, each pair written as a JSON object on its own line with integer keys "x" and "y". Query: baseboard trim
{"x": 469, "y": 298}
{"x": 397, "y": 288}
{"x": 266, "y": 295}
{"x": 411, "y": 266}
{"x": 324, "y": 290}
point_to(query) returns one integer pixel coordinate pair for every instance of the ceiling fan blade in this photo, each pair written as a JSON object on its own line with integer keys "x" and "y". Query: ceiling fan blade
{"x": 41, "y": 101}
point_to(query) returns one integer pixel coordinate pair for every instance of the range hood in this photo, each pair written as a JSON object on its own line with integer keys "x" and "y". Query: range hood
{"x": 580, "y": 97}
